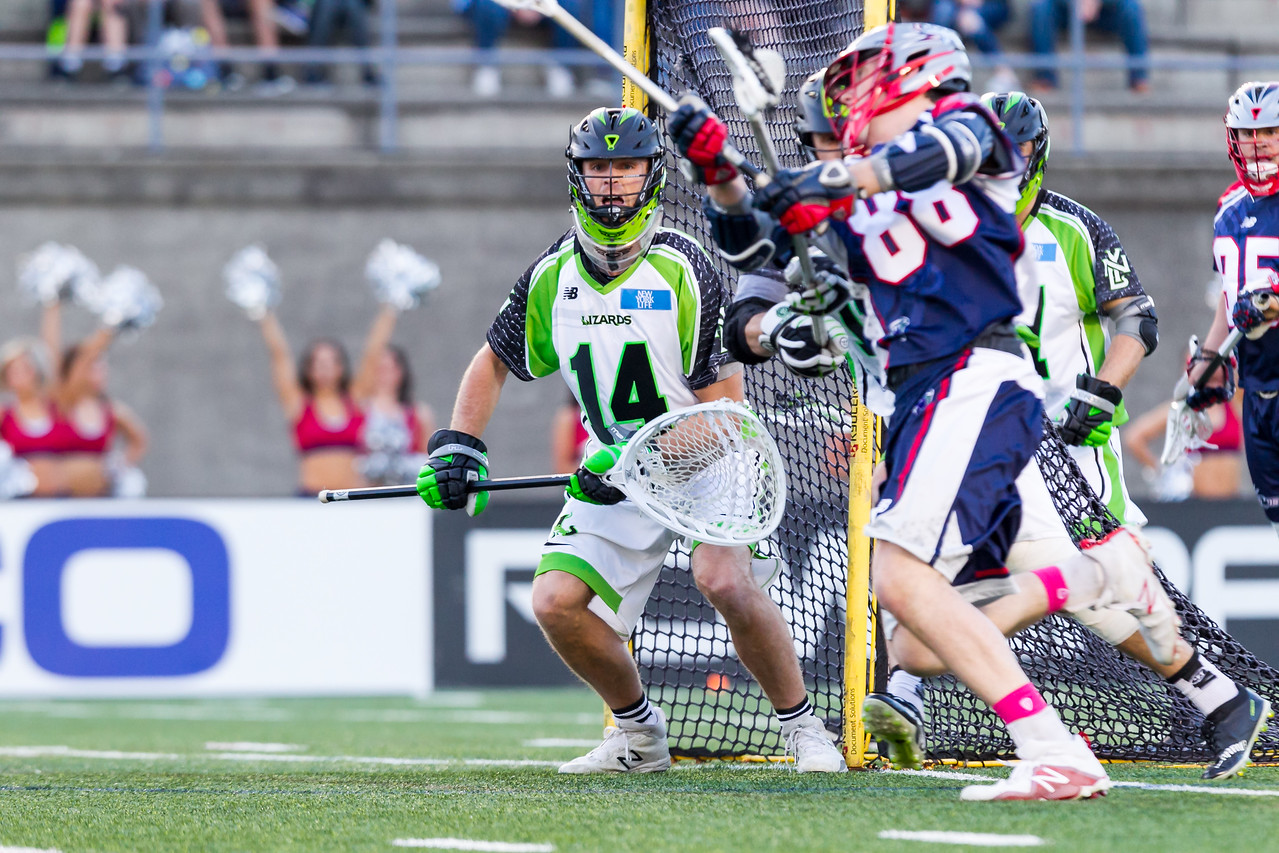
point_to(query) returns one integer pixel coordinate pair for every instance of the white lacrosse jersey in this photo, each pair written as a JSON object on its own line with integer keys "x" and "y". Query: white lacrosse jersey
{"x": 630, "y": 348}
{"x": 1072, "y": 265}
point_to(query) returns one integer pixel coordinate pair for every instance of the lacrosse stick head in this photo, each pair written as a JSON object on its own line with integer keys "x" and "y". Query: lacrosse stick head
{"x": 711, "y": 472}
{"x": 886, "y": 67}
{"x": 759, "y": 74}
{"x": 1186, "y": 431}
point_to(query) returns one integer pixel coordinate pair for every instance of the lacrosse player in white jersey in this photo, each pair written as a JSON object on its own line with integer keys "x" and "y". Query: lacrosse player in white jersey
{"x": 629, "y": 313}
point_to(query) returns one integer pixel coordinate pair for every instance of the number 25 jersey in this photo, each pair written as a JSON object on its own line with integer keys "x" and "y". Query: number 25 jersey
{"x": 630, "y": 348}
{"x": 1246, "y": 242}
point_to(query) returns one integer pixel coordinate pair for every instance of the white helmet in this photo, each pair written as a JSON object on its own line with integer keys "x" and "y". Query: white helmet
{"x": 904, "y": 60}
{"x": 1252, "y": 107}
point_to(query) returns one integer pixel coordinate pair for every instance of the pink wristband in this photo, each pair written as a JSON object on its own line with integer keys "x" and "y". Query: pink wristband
{"x": 1054, "y": 586}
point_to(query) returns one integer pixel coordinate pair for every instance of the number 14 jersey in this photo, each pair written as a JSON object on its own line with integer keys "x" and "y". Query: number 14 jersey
{"x": 630, "y": 348}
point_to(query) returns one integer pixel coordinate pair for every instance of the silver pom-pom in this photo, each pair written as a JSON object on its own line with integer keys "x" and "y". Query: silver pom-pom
{"x": 252, "y": 281}
{"x": 127, "y": 300}
{"x": 54, "y": 272}
{"x": 400, "y": 276}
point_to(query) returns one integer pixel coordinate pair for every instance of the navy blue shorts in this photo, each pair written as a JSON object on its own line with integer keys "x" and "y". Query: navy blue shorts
{"x": 958, "y": 438}
{"x": 1261, "y": 447}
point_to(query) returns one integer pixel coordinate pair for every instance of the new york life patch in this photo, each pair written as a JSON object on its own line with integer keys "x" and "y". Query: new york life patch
{"x": 634, "y": 299}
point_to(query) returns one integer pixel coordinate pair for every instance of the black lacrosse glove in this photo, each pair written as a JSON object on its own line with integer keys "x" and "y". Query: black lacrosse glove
{"x": 789, "y": 333}
{"x": 1210, "y": 395}
{"x": 1090, "y": 414}
{"x": 456, "y": 459}
{"x": 588, "y": 483}
{"x": 826, "y": 293}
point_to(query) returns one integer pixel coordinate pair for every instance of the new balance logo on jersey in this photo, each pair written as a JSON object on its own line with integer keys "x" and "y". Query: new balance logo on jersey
{"x": 570, "y": 293}
{"x": 606, "y": 319}
{"x": 1117, "y": 268}
{"x": 646, "y": 300}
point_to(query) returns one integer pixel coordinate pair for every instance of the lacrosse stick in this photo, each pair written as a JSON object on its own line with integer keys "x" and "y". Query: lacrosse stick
{"x": 710, "y": 471}
{"x": 1187, "y": 429}
{"x": 557, "y": 13}
{"x": 759, "y": 75}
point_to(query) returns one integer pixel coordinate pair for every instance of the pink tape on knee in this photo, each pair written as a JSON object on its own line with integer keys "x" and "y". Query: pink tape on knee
{"x": 1023, "y": 702}
{"x": 1054, "y": 586}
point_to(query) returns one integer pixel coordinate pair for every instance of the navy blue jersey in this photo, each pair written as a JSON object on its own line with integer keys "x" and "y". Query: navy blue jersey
{"x": 1246, "y": 240}
{"x": 938, "y": 261}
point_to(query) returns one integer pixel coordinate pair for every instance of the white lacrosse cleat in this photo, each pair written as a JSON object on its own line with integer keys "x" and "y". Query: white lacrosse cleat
{"x": 642, "y": 751}
{"x": 1058, "y": 771}
{"x": 813, "y": 750}
{"x": 1130, "y": 584}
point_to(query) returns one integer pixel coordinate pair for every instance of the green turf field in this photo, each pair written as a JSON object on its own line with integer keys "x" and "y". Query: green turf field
{"x": 360, "y": 774}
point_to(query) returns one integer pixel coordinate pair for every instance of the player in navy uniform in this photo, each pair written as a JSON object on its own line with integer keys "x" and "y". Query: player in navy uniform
{"x": 921, "y": 210}
{"x": 1245, "y": 250}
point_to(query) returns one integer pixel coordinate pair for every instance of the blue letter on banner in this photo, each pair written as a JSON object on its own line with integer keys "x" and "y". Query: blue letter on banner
{"x": 45, "y": 562}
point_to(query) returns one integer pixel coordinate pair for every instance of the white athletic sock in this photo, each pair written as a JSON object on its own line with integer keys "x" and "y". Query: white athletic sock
{"x": 1038, "y": 729}
{"x": 906, "y": 687}
{"x": 639, "y": 715}
{"x": 793, "y": 718}
{"x": 1207, "y": 687}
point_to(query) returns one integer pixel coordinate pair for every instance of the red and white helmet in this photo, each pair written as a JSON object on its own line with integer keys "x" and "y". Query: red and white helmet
{"x": 1252, "y": 107}
{"x": 884, "y": 68}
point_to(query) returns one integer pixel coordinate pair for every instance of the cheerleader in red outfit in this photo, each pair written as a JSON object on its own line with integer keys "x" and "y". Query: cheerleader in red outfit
{"x": 30, "y": 423}
{"x": 315, "y": 396}
{"x": 92, "y": 421}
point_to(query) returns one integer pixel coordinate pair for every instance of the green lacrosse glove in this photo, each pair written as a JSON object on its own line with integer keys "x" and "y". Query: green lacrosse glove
{"x": 1091, "y": 413}
{"x": 456, "y": 460}
{"x": 588, "y": 484}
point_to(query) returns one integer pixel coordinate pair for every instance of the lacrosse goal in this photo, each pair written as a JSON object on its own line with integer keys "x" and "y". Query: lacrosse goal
{"x": 684, "y": 652}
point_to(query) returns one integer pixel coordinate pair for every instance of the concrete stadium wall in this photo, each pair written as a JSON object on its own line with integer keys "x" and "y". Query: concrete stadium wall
{"x": 199, "y": 379}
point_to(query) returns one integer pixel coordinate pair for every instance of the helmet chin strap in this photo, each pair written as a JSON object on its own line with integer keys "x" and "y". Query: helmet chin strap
{"x": 615, "y": 260}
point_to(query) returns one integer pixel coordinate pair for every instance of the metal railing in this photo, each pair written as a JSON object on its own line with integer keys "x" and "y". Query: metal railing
{"x": 387, "y": 56}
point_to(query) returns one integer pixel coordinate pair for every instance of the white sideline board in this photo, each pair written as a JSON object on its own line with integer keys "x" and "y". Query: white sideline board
{"x": 214, "y": 598}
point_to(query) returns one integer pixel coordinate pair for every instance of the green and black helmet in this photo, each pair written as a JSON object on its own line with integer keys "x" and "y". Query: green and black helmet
{"x": 614, "y": 235}
{"x": 1024, "y": 120}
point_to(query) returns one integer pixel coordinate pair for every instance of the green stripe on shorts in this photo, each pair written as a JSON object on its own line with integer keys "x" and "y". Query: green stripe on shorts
{"x": 558, "y": 561}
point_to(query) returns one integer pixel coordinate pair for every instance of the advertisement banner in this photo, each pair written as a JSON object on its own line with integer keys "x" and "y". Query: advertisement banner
{"x": 1225, "y": 556}
{"x": 485, "y": 632}
{"x": 205, "y": 597}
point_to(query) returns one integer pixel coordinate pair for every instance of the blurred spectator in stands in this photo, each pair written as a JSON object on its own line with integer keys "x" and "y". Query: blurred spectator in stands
{"x": 1207, "y": 473}
{"x": 113, "y": 30}
{"x": 264, "y": 16}
{"x": 29, "y": 423}
{"x": 316, "y": 398}
{"x": 977, "y": 21}
{"x": 568, "y": 437}
{"x": 396, "y": 428}
{"x": 1124, "y": 17}
{"x": 491, "y": 22}
{"x": 325, "y": 18}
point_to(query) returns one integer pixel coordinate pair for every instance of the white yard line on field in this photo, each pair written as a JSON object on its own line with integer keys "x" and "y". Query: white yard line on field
{"x": 111, "y": 754}
{"x": 973, "y": 839}
{"x": 468, "y": 844}
{"x": 251, "y": 746}
{"x": 4, "y": 849}
{"x": 553, "y": 742}
{"x": 499, "y": 718}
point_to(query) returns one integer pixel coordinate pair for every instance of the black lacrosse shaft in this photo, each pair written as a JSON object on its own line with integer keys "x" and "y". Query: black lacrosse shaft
{"x": 504, "y": 484}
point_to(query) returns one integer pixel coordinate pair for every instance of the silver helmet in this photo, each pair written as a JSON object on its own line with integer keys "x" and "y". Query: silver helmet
{"x": 885, "y": 67}
{"x": 1253, "y": 107}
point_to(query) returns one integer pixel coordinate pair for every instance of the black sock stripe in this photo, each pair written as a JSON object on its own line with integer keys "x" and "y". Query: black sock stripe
{"x": 787, "y": 714}
{"x": 1192, "y": 666}
{"x": 635, "y": 709}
